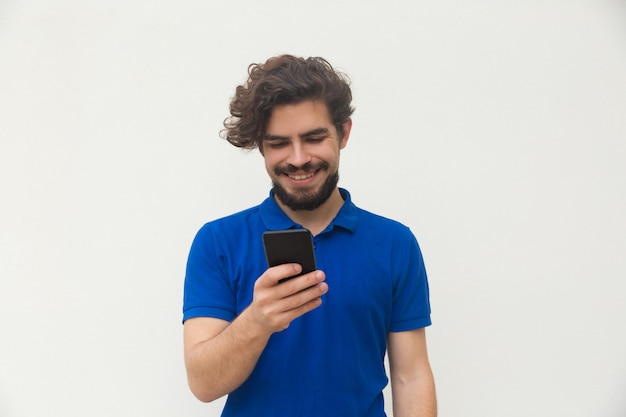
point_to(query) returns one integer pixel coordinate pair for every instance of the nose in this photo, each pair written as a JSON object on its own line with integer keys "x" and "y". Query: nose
{"x": 299, "y": 155}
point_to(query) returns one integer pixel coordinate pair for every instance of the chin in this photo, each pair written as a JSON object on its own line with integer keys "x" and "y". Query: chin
{"x": 307, "y": 200}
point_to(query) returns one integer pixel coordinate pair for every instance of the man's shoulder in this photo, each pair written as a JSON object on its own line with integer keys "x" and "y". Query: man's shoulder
{"x": 357, "y": 218}
{"x": 371, "y": 219}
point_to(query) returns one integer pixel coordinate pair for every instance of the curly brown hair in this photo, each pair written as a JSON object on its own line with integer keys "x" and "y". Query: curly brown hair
{"x": 285, "y": 79}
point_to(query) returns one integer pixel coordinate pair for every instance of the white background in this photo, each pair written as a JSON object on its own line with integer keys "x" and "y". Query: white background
{"x": 495, "y": 130}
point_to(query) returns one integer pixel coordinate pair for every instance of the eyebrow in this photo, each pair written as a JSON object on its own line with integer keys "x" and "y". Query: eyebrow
{"x": 314, "y": 132}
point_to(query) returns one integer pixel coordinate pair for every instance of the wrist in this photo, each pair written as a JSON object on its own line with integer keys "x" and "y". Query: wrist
{"x": 251, "y": 329}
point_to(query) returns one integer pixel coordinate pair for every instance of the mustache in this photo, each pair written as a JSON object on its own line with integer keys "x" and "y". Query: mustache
{"x": 308, "y": 167}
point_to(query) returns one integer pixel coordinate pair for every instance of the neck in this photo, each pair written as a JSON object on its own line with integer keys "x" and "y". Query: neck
{"x": 315, "y": 220}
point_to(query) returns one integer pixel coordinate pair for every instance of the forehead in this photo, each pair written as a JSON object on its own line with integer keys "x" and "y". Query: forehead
{"x": 297, "y": 118}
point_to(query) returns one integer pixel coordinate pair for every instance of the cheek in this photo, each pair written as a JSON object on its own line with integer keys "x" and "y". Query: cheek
{"x": 332, "y": 158}
{"x": 270, "y": 164}
{"x": 274, "y": 157}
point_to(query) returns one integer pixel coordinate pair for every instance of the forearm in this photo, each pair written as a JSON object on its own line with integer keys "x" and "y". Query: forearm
{"x": 220, "y": 356}
{"x": 218, "y": 365}
{"x": 414, "y": 398}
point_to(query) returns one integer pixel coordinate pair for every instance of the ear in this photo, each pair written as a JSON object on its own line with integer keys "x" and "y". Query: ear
{"x": 347, "y": 126}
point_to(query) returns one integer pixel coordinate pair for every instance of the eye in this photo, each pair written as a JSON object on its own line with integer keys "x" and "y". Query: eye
{"x": 276, "y": 144}
{"x": 316, "y": 139}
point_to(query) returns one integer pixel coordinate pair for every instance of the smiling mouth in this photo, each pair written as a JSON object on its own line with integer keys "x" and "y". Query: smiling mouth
{"x": 301, "y": 177}
{"x": 301, "y": 173}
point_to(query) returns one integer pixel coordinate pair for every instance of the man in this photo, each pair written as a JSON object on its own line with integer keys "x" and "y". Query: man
{"x": 313, "y": 345}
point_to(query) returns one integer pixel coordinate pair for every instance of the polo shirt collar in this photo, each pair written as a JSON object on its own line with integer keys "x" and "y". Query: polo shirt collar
{"x": 276, "y": 219}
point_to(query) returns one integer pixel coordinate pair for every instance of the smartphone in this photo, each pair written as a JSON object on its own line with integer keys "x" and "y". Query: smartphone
{"x": 290, "y": 246}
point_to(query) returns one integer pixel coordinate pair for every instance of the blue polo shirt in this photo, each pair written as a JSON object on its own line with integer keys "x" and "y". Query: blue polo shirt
{"x": 328, "y": 362}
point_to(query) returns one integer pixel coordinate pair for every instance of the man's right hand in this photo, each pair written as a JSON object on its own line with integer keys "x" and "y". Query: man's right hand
{"x": 275, "y": 305}
{"x": 219, "y": 356}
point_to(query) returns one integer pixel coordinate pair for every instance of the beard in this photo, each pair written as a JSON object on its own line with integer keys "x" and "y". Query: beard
{"x": 306, "y": 199}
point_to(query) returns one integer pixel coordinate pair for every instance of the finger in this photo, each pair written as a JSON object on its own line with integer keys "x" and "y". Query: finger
{"x": 305, "y": 301}
{"x": 301, "y": 283}
{"x": 276, "y": 273}
{"x": 300, "y": 298}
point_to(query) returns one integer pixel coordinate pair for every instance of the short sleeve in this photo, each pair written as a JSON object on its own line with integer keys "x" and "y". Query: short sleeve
{"x": 207, "y": 289}
{"x": 411, "y": 297}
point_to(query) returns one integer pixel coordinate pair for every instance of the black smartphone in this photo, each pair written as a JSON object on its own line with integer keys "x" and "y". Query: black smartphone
{"x": 290, "y": 246}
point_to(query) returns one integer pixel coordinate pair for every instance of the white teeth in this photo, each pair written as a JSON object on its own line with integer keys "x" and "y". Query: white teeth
{"x": 300, "y": 177}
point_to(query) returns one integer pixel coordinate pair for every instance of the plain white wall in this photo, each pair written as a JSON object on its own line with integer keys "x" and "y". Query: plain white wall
{"x": 495, "y": 130}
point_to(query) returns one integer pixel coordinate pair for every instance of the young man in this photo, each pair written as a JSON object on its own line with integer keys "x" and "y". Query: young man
{"x": 313, "y": 345}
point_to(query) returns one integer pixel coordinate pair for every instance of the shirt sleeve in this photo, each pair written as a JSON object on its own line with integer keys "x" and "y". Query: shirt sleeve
{"x": 207, "y": 290}
{"x": 411, "y": 298}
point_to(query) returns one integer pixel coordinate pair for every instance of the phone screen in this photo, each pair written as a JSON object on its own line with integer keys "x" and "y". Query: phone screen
{"x": 290, "y": 246}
